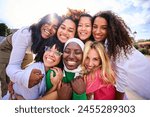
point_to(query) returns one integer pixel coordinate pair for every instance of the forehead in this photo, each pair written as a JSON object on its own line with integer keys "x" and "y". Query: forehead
{"x": 85, "y": 18}
{"x": 93, "y": 53}
{"x": 73, "y": 45}
{"x": 100, "y": 20}
{"x": 68, "y": 22}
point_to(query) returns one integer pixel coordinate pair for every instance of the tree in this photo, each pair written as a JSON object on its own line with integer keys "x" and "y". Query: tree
{"x": 4, "y": 30}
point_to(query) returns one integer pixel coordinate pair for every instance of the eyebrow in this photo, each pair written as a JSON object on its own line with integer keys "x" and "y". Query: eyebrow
{"x": 69, "y": 27}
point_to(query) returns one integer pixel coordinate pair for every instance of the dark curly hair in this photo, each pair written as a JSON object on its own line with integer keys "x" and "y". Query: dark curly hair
{"x": 118, "y": 38}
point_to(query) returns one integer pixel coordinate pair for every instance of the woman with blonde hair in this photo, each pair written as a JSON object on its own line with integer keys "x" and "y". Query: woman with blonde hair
{"x": 98, "y": 73}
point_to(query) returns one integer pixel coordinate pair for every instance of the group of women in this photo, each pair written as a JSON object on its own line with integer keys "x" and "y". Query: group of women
{"x": 77, "y": 58}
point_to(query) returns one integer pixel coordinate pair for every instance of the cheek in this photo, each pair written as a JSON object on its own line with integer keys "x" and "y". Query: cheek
{"x": 86, "y": 62}
{"x": 97, "y": 63}
{"x": 54, "y": 31}
{"x": 79, "y": 59}
{"x": 71, "y": 35}
{"x": 58, "y": 31}
{"x": 64, "y": 56}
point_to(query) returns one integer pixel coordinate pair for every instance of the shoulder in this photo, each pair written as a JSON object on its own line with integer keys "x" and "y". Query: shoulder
{"x": 24, "y": 31}
{"x": 35, "y": 65}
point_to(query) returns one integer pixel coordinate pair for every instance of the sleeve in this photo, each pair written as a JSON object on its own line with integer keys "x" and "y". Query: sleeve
{"x": 49, "y": 85}
{"x": 79, "y": 97}
{"x": 120, "y": 68}
{"x": 20, "y": 41}
{"x": 24, "y": 80}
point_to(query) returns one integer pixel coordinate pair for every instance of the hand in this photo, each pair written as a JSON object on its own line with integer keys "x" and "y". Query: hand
{"x": 18, "y": 97}
{"x": 58, "y": 76}
{"x": 10, "y": 87}
{"x": 65, "y": 91}
{"x": 78, "y": 85}
{"x": 35, "y": 77}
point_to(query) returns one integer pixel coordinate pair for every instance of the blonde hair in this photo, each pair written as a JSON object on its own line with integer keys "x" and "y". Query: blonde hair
{"x": 107, "y": 75}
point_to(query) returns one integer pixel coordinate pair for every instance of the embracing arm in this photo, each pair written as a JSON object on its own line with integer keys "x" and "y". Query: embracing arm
{"x": 79, "y": 89}
{"x": 20, "y": 41}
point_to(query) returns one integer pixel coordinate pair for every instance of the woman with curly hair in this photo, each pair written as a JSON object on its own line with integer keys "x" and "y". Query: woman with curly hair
{"x": 132, "y": 68}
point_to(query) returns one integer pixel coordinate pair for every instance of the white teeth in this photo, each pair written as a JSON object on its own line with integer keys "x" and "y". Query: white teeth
{"x": 83, "y": 33}
{"x": 71, "y": 63}
{"x": 47, "y": 32}
{"x": 50, "y": 60}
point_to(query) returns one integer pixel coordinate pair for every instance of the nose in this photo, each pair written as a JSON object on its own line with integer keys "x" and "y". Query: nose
{"x": 51, "y": 53}
{"x": 65, "y": 32}
{"x": 50, "y": 27}
{"x": 71, "y": 56}
{"x": 98, "y": 30}
{"x": 90, "y": 63}
{"x": 83, "y": 28}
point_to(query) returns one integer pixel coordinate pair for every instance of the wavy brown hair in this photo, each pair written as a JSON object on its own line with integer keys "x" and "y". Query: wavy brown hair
{"x": 118, "y": 39}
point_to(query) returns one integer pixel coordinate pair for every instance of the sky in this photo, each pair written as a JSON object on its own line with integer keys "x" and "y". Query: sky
{"x": 135, "y": 13}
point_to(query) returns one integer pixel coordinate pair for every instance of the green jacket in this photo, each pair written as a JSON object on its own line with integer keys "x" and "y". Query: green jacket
{"x": 69, "y": 76}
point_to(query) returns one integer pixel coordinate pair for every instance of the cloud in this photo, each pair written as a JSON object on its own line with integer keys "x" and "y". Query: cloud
{"x": 145, "y": 4}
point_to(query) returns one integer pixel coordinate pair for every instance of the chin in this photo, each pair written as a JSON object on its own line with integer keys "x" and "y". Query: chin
{"x": 70, "y": 67}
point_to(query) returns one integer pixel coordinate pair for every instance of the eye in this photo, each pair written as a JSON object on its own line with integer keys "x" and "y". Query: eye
{"x": 67, "y": 51}
{"x": 88, "y": 25}
{"x": 96, "y": 59}
{"x": 71, "y": 30}
{"x": 94, "y": 26}
{"x": 58, "y": 53}
{"x": 78, "y": 52}
{"x": 62, "y": 27}
{"x": 79, "y": 25}
{"x": 55, "y": 27}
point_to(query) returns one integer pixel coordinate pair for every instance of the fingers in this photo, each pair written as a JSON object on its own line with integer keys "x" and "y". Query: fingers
{"x": 59, "y": 85}
{"x": 36, "y": 71}
{"x": 58, "y": 72}
{"x": 38, "y": 74}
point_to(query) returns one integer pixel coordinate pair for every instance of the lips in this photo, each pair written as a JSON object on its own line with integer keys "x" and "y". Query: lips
{"x": 63, "y": 36}
{"x": 98, "y": 36}
{"x": 50, "y": 59}
{"x": 71, "y": 62}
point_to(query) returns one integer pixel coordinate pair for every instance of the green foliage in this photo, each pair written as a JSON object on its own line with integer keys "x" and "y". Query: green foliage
{"x": 4, "y": 30}
{"x": 144, "y": 51}
{"x": 136, "y": 46}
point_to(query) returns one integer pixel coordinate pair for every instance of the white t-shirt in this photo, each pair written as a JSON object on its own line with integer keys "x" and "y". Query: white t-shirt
{"x": 34, "y": 92}
{"x": 133, "y": 72}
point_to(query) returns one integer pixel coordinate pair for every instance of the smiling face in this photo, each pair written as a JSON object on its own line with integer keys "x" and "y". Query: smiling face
{"x": 51, "y": 57}
{"x": 99, "y": 29}
{"x": 92, "y": 60}
{"x": 66, "y": 30}
{"x": 48, "y": 30}
{"x": 72, "y": 56}
{"x": 84, "y": 28}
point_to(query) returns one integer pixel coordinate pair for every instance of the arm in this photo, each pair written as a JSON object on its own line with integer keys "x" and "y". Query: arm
{"x": 20, "y": 41}
{"x": 53, "y": 77}
{"x": 79, "y": 89}
{"x": 121, "y": 68}
{"x": 119, "y": 95}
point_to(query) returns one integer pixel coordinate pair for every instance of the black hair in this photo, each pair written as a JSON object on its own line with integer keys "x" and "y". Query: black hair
{"x": 35, "y": 29}
{"x": 50, "y": 43}
{"x": 91, "y": 18}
